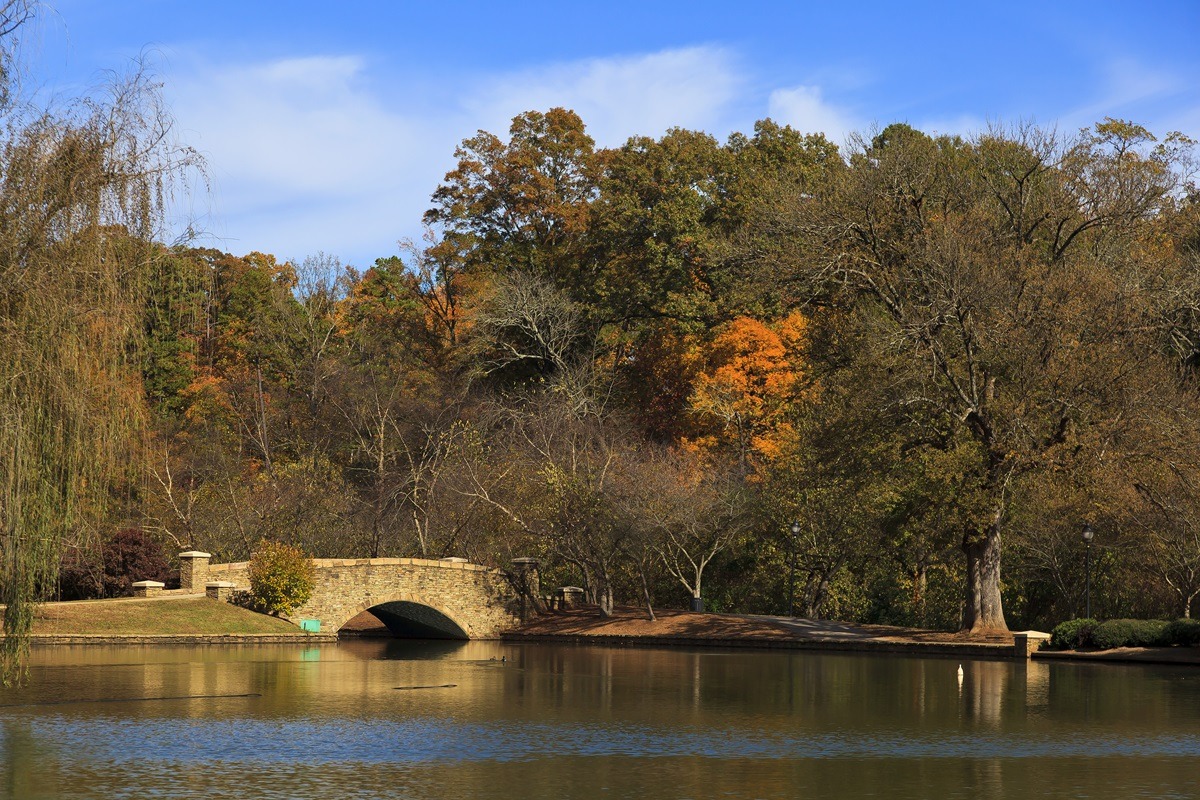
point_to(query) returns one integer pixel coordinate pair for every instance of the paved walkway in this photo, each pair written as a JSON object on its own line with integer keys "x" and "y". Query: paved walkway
{"x": 820, "y": 629}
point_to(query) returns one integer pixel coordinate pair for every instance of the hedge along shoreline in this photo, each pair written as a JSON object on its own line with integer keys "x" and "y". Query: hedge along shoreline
{"x": 1079, "y": 634}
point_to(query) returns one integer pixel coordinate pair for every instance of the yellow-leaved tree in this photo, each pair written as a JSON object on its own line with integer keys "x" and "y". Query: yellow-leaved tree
{"x": 281, "y": 577}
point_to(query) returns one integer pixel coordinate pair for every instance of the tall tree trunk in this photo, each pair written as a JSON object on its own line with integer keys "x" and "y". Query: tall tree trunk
{"x": 815, "y": 595}
{"x": 646, "y": 593}
{"x": 984, "y": 609}
{"x": 920, "y": 584}
{"x": 606, "y": 600}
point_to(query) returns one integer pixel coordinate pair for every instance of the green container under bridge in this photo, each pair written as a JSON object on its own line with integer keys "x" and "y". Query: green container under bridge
{"x": 310, "y": 625}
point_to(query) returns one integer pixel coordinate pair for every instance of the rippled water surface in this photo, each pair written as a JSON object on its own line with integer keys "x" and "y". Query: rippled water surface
{"x": 396, "y": 719}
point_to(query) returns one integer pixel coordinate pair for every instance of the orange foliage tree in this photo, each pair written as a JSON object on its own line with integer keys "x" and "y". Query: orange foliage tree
{"x": 753, "y": 374}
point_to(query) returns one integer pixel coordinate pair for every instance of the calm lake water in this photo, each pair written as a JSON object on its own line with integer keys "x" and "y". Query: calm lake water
{"x": 349, "y": 721}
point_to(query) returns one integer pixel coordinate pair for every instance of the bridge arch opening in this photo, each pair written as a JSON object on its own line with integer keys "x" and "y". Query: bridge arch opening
{"x": 412, "y": 619}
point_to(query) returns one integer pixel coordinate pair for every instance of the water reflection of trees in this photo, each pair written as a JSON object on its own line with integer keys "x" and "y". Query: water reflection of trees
{"x": 27, "y": 769}
{"x": 771, "y": 690}
{"x": 828, "y": 724}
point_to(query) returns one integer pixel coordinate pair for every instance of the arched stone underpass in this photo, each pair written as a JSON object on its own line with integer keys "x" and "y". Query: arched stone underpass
{"x": 406, "y": 619}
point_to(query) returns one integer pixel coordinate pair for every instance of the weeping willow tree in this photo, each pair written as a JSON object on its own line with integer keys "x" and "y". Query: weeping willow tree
{"x": 83, "y": 190}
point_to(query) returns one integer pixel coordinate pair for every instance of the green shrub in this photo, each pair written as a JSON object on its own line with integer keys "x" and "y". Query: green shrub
{"x": 1185, "y": 632}
{"x": 281, "y": 577}
{"x": 1073, "y": 634}
{"x": 1129, "y": 633}
{"x": 1079, "y": 633}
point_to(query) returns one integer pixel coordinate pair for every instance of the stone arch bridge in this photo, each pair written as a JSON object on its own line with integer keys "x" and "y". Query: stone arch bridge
{"x": 446, "y": 598}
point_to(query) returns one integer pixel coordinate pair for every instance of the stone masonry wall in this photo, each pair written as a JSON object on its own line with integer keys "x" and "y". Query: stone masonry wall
{"x": 238, "y": 572}
{"x": 195, "y": 572}
{"x": 476, "y": 598}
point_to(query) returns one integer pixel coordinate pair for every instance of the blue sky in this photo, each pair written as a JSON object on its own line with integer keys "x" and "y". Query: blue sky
{"x": 327, "y": 126}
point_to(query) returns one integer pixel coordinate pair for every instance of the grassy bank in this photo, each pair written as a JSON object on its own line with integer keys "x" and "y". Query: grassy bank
{"x": 182, "y": 616}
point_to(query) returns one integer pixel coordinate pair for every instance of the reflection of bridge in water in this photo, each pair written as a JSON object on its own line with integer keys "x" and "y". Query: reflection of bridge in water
{"x": 413, "y": 597}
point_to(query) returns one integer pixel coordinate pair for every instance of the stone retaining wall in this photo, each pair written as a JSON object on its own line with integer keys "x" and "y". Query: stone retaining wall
{"x": 925, "y": 649}
{"x": 179, "y": 638}
{"x": 238, "y": 573}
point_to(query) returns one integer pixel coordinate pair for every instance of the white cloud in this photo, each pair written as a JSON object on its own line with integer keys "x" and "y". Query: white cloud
{"x": 303, "y": 156}
{"x": 292, "y": 126}
{"x": 306, "y": 155}
{"x": 1130, "y": 90}
{"x": 621, "y": 96}
{"x": 964, "y": 125}
{"x": 805, "y": 108}
{"x": 1130, "y": 81}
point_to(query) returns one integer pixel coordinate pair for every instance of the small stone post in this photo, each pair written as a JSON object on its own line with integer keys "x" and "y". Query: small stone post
{"x": 147, "y": 588}
{"x": 220, "y": 590}
{"x": 1026, "y": 643}
{"x": 528, "y": 584}
{"x": 569, "y": 597}
{"x": 193, "y": 571}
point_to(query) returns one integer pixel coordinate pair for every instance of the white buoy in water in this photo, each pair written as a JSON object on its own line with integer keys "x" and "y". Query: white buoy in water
{"x": 960, "y": 678}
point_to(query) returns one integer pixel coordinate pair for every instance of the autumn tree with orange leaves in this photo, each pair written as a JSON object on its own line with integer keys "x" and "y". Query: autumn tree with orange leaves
{"x": 743, "y": 397}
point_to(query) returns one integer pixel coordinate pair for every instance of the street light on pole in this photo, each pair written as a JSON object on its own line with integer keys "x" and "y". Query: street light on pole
{"x": 795, "y": 529}
{"x": 1088, "y": 533}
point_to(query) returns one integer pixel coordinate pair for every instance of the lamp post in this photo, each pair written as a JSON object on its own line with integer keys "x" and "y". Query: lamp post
{"x": 795, "y": 529}
{"x": 1088, "y": 533}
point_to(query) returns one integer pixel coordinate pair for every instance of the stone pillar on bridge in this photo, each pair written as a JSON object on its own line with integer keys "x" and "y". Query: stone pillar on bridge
{"x": 193, "y": 571}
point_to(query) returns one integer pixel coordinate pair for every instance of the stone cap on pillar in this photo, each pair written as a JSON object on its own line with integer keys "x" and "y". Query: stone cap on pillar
{"x": 525, "y": 562}
{"x": 1032, "y": 634}
{"x": 219, "y": 590}
{"x": 147, "y": 588}
{"x": 195, "y": 554}
{"x": 1026, "y": 643}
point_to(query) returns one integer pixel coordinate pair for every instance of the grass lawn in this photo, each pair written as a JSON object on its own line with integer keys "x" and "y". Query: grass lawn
{"x": 183, "y": 615}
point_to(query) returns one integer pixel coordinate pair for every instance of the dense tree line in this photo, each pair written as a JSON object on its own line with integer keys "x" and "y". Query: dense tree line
{"x": 939, "y": 356}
